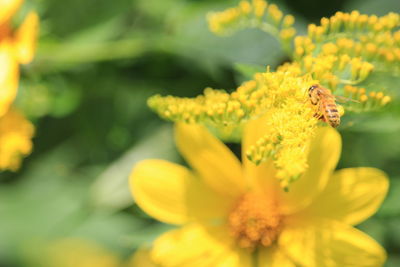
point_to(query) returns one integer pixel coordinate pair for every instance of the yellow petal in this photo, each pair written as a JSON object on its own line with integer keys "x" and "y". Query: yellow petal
{"x": 8, "y": 8}
{"x": 330, "y": 243}
{"x": 9, "y": 76}
{"x": 216, "y": 164}
{"x": 273, "y": 257}
{"x": 170, "y": 193}
{"x": 323, "y": 156}
{"x": 194, "y": 245}
{"x": 264, "y": 174}
{"x": 25, "y": 38}
{"x": 351, "y": 195}
{"x": 141, "y": 258}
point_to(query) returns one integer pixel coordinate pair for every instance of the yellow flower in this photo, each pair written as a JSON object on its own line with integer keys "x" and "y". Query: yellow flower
{"x": 15, "y": 48}
{"x": 9, "y": 76}
{"x": 234, "y": 214}
{"x": 8, "y": 8}
{"x": 141, "y": 259}
{"x": 281, "y": 96}
{"x": 76, "y": 252}
{"x": 15, "y": 139}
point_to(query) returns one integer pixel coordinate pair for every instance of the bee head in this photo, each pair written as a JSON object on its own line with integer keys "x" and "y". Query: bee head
{"x": 312, "y": 88}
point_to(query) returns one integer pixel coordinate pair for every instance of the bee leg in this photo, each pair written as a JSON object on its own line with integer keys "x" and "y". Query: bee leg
{"x": 319, "y": 117}
{"x": 319, "y": 114}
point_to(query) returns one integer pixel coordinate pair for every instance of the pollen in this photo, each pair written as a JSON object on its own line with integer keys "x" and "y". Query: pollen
{"x": 255, "y": 221}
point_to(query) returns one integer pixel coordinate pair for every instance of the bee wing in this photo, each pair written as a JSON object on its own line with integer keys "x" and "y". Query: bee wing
{"x": 326, "y": 94}
{"x": 345, "y": 99}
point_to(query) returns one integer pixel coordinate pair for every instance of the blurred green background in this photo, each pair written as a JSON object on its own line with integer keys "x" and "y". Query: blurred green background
{"x": 97, "y": 63}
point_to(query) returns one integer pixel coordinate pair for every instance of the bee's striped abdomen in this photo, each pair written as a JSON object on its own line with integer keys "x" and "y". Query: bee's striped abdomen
{"x": 331, "y": 113}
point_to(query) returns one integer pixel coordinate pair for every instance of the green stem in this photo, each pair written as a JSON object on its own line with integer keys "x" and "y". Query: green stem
{"x": 350, "y": 82}
{"x": 87, "y": 52}
{"x": 268, "y": 28}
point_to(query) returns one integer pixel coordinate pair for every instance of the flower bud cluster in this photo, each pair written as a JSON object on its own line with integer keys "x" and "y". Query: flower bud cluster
{"x": 279, "y": 96}
{"x": 255, "y": 14}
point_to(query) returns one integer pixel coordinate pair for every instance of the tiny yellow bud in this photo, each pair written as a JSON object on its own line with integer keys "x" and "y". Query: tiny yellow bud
{"x": 245, "y": 7}
{"x": 275, "y": 13}
{"x": 259, "y": 7}
{"x": 299, "y": 51}
{"x": 386, "y": 100}
{"x": 329, "y": 48}
{"x": 324, "y": 21}
{"x": 361, "y": 91}
{"x": 311, "y": 30}
{"x": 348, "y": 88}
{"x": 372, "y": 20}
{"x": 287, "y": 34}
{"x": 240, "y": 113}
{"x": 340, "y": 110}
{"x": 389, "y": 56}
{"x": 363, "y": 98}
{"x": 288, "y": 21}
{"x": 371, "y": 48}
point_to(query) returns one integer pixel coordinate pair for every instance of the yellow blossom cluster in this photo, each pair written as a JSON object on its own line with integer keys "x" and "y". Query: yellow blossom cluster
{"x": 216, "y": 106}
{"x": 342, "y": 50}
{"x": 290, "y": 128}
{"x": 330, "y": 68}
{"x": 353, "y": 24}
{"x": 367, "y": 102}
{"x": 290, "y": 124}
{"x": 255, "y": 14}
{"x": 345, "y": 49}
{"x": 340, "y": 54}
{"x": 16, "y": 47}
{"x": 370, "y": 38}
{"x": 281, "y": 96}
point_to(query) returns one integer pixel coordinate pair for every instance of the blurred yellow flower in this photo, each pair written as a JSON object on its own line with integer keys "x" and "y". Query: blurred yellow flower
{"x": 76, "y": 252}
{"x": 141, "y": 259}
{"x": 16, "y": 47}
{"x": 8, "y": 8}
{"x": 235, "y": 214}
{"x": 16, "y": 133}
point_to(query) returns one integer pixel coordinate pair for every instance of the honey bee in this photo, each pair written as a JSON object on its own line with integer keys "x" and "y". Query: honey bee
{"x": 327, "y": 108}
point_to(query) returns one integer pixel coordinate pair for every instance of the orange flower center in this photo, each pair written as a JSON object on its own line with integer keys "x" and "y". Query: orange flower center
{"x": 255, "y": 220}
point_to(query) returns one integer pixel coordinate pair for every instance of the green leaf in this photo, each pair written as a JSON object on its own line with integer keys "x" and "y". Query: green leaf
{"x": 147, "y": 234}
{"x": 372, "y": 122}
{"x": 382, "y": 81}
{"x": 378, "y": 8}
{"x": 391, "y": 205}
{"x": 111, "y": 188}
{"x": 247, "y": 71}
{"x": 374, "y": 228}
{"x": 393, "y": 260}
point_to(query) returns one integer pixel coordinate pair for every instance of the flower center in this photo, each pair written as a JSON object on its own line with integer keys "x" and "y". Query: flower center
{"x": 255, "y": 221}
